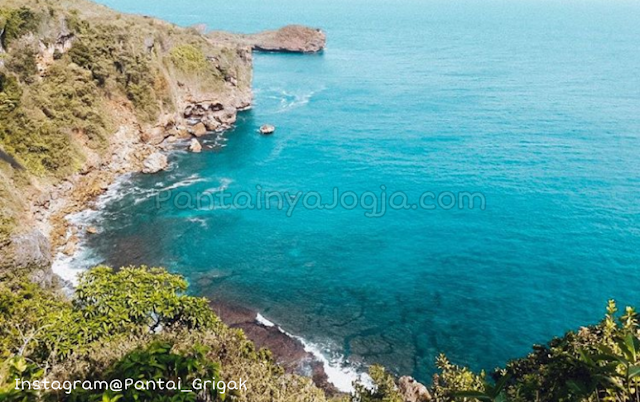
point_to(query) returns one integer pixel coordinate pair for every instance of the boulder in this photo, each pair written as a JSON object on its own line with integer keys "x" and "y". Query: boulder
{"x": 72, "y": 246}
{"x": 154, "y": 136}
{"x": 199, "y": 129}
{"x": 412, "y": 391}
{"x": 92, "y": 230}
{"x": 155, "y": 163}
{"x": 211, "y": 123}
{"x": 267, "y": 129}
{"x": 31, "y": 248}
{"x": 227, "y": 116}
{"x": 195, "y": 146}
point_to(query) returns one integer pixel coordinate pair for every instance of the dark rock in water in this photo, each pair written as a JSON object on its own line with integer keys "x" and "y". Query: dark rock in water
{"x": 288, "y": 352}
{"x": 267, "y": 129}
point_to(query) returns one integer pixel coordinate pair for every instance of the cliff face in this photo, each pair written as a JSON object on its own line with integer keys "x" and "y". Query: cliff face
{"x": 87, "y": 93}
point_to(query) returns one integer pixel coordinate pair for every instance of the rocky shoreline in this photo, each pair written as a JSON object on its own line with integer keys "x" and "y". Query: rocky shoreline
{"x": 287, "y": 351}
{"x": 135, "y": 149}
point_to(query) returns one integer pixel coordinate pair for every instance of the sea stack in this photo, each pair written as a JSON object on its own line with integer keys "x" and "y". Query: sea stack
{"x": 267, "y": 129}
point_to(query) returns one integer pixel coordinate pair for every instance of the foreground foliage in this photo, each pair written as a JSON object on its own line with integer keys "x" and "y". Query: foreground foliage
{"x": 140, "y": 323}
{"x": 134, "y": 323}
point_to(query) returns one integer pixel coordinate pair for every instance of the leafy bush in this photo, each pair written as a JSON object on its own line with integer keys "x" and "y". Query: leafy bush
{"x": 22, "y": 61}
{"x": 133, "y": 323}
{"x": 6, "y": 227}
{"x": 142, "y": 298}
{"x": 16, "y": 23}
{"x": 384, "y": 388}
{"x": 10, "y": 93}
{"x": 599, "y": 363}
{"x": 188, "y": 58}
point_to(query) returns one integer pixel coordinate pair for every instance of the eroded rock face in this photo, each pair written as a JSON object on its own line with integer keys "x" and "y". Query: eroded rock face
{"x": 412, "y": 391}
{"x": 31, "y": 249}
{"x": 155, "y": 163}
{"x": 209, "y": 116}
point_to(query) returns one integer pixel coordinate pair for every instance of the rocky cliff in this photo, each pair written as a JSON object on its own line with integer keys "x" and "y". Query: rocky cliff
{"x": 87, "y": 93}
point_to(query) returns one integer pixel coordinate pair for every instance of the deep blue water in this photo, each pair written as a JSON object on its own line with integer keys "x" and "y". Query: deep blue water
{"x": 534, "y": 104}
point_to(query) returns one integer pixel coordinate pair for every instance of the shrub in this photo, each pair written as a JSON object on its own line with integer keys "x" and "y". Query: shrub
{"x": 22, "y": 61}
{"x": 133, "y": 323}
{"x": 384, "y": 388}
{"x": 6, "y": 228}
{"x": 16, "y": 23}
{"x": 188, "y": 58}
{"x": 10, "y": 94}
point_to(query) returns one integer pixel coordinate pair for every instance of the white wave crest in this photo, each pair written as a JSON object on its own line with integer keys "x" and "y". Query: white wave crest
{"x": 339, "y": 371}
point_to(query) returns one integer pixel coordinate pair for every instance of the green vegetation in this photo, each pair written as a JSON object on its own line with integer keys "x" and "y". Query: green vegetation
{"x": 384, "y": 390}
{"x": 599, "y": 363}
{"x": 73, "y": 72}
{"x": 134, "y": 323}
{"x": 6, "y": 227}
{"x": 140, "y": 323}
{"x": 16, "y": 23}
{"x": 189, "y": 58}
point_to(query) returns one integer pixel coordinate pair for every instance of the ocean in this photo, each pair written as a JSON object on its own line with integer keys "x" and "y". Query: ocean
{"x": 530, "y": 109}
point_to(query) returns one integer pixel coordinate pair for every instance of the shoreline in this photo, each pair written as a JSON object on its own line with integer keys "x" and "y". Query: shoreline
{"x": 291, "y": 352}
{"x": 65, "y": 213}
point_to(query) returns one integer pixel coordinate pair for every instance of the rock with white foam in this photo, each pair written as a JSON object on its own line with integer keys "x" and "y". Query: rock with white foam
{"x": 154, "y": 163}
{"x": 267, "y": 129}
{"x": 195, "y": 146}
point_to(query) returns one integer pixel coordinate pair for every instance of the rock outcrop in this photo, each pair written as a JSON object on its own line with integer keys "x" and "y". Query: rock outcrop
{"x": 289, "y": 39}
{"x": 413, "y": 391}
{"x": 267, "y": 129}
{"x": 155, "y": 163}
{"x": 208, "y": 116}
{"x": 195, "y": 146}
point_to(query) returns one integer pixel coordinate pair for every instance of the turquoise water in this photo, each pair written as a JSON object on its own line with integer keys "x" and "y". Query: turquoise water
{"x": 533, "y": 104}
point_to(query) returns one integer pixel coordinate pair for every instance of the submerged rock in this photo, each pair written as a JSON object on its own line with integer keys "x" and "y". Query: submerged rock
{"x": 155, "y": 163}
{"x": 267, "y": 129}
{"x": 195, "y": 146}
